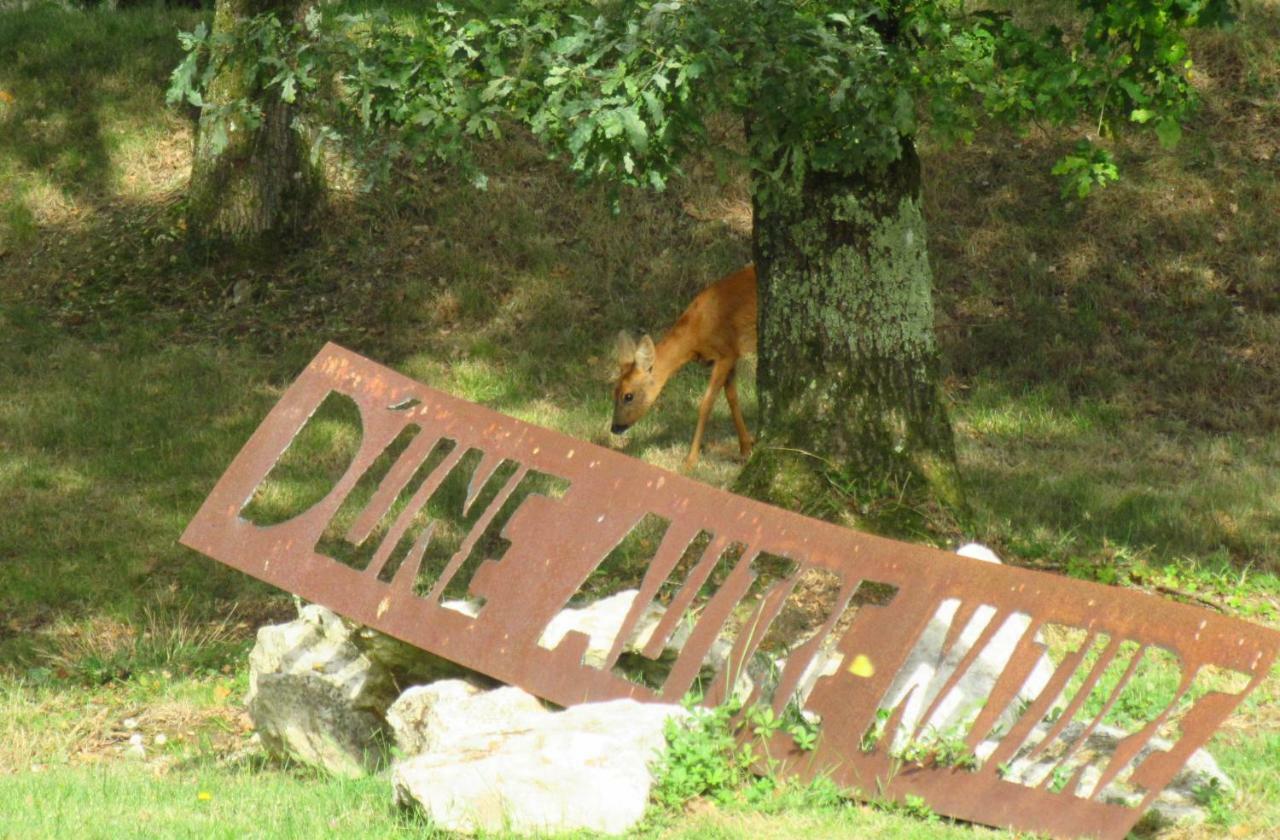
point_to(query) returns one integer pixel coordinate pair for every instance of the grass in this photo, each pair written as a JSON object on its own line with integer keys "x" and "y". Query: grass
{"x": 123, "y": 801}
{"x": 1112, "y": 369}
{"x": 75, "y": 127}
{"x": 116, "y": 801}
{"x": 1064, "y": 477}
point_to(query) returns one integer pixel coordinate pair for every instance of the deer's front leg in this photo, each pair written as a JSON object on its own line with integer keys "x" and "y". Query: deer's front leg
{"x": 719, "y": 375}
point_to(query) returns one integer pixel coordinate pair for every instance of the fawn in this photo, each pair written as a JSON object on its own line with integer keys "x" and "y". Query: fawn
{"x": 717, "y": 329}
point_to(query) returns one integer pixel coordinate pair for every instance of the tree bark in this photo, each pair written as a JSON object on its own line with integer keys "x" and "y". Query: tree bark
{"x": 853, "y": 426}
{"x": 261, "y": 186}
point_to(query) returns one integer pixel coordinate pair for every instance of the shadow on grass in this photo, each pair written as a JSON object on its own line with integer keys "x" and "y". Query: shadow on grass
{"x": 1163, "y": 309}
{"x": 67, "y": 74}
{"x": 1116, "y": 364}
{"x": 1071, "y": 502}
{"x": 110, "y": 445}
{"x": 1159, "y": 292}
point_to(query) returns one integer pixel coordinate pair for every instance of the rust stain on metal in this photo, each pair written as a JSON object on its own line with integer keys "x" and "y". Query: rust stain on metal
{"x": 523, "y": 562}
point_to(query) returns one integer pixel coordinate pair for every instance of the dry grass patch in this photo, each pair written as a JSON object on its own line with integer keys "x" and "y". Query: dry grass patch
{"x": 47, "y": 726}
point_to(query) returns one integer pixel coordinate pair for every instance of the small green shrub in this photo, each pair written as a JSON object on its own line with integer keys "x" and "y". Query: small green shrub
{"x": 714, "y": 753}
{"x": 703, "y": 758}
{"x": 1218, "y": 802}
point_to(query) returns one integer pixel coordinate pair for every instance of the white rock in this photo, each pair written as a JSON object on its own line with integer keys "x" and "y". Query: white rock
{"x": 601, "y": 621}
{"x": 319, "y": 688}
{"x": 586, "y": 768}
{"x": 314, "y": 696}
{"x": 825, "y": 663}
{"x": 1179, "y": 803}
{"x": 928, "y": 668}
{"x": 978, "y": 551}
{"x": 427, "y": 718}
{"x": 467, "y": 608}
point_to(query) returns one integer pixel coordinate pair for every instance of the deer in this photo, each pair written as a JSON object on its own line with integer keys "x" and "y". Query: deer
{"x": 717, "y": 329}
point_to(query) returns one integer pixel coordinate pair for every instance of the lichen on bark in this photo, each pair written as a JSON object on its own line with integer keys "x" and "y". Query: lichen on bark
{"x": 851, "y": 411}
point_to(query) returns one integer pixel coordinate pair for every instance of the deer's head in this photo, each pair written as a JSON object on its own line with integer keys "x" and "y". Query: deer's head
{"x": 635, "y": 389}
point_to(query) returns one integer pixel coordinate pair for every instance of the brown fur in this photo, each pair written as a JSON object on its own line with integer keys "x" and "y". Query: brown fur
{"x": 717, "y": 328}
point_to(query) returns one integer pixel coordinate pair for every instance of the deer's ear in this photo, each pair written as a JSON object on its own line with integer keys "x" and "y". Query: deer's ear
{"x": 625, "y": 349}
{"x": 645, "y": 354}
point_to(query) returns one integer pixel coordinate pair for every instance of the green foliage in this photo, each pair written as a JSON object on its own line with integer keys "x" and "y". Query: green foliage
{"x": 1060, "y": 779}
{"x": 361, "y": 81}
{"x": 1218, "y": 802}
{"x": 874, "y": 733}
{"x": 714, "y": 753}
{"x": 252, "y": 49}
{"x": 1214, "y": 581}
{"x": 1151, "y": 688}
{"x": 911, "y": 806}
{"x": 188, "y": 79}
{"x": 945, "y": 750}
{"x": 941, "y": 749}
{"x": 835, "y": 86}
{"x": 623, "y": 90}
{"x": 702, "y": 759}
{"x": 1085, "y": 168}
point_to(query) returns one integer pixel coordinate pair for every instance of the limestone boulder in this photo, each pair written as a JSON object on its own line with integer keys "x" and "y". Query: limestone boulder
{"x": 1181, "y": 803}
{"x": 930, "y": 665}
{"x": 319, "y": 688}
{"x": 601, "y": 621}
{"x": 428, "y": 718}
{"x": 532, "y": 772}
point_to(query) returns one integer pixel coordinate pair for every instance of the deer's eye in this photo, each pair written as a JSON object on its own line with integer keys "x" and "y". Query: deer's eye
{"x": 628, "y": 397}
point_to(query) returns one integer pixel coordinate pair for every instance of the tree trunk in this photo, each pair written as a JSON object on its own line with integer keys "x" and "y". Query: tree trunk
{"x": 261, "y": 186}
{"x": 853, "y": 427}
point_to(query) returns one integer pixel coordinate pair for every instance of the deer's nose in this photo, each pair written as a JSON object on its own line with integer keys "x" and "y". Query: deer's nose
{"x": 618, "y": 428}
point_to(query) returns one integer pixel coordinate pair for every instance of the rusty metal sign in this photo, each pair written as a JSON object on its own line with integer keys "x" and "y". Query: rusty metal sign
{"x": 478, "y": 575}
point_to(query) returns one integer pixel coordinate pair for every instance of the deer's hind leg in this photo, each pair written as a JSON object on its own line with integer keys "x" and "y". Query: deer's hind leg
{"x": 745, "y": 441}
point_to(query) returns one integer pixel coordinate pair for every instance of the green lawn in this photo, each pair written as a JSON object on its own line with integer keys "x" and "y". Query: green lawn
{"x": 1113, "y": 371}
{"x": 123, "y": 801}
{"x": 118, "y": 801}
